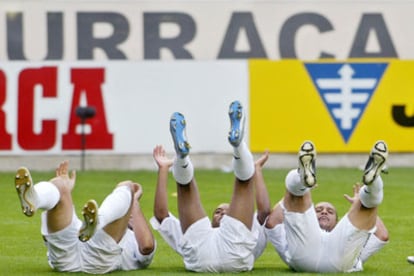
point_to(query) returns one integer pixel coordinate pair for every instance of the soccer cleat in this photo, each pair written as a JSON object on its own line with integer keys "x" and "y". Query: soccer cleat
{"x": 376, "y": 162}
{"x": 90, "y": 220}
{"x": 307, "y": 169}
{"x": 237, "y": 123}
{"x": 26, "y": 192}
{"x": 177, "y": 129}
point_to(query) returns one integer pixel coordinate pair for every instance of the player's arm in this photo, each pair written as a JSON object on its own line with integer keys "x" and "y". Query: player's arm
{"x": 262, "y": 195}
{"x": 140, "y": 226}
{"x": 381, "y": 232}
{"x": 161, "y": 196}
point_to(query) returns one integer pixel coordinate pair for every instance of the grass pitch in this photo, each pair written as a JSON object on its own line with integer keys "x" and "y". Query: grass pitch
{"x": 23, "y": 252}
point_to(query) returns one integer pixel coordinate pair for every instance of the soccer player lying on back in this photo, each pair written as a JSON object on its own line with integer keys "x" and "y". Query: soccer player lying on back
{"x": 114, "y": 237}
{"x": 309, "y": 239}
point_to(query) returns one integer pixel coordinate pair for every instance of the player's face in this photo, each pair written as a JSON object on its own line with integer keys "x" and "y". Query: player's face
{"x": 218, "y": 214}
{"x": 327, "y": 216}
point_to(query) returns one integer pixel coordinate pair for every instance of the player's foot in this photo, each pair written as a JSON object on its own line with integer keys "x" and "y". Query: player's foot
{"x": 376, "y": 162}
{"x": 177, "y": 129}
{"x": 90, "y": 220}
{"x": 26, "y": 192}
{"x": 410, "y": 259}
{"x": 307, "y": 169}
{"x": 237, "y": 123}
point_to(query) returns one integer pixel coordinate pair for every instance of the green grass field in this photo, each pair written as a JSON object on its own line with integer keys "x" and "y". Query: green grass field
{"x": 23, "y": 252}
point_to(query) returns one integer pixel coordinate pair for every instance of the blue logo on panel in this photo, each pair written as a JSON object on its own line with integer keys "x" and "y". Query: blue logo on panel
{"x": 346, "y": 89}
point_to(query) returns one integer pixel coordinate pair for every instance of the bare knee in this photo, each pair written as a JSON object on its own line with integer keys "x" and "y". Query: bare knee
{"x": 146, "y": 249}
{"x": 128, "y": 183}
{"x": 383, "y": 236}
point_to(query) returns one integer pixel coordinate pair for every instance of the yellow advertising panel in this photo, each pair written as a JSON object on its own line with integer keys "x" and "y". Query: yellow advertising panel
{"x": 340, "y": 106}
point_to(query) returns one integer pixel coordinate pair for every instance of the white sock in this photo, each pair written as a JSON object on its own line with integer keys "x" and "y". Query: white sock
{"x": 294, "y": 183}
{"x": 371, "y": 195}
{"x": 48, "y": 195}
{"x": 183, "y": 170}
{"x": 243, "y": 163}
{"x": 114, "y": 206}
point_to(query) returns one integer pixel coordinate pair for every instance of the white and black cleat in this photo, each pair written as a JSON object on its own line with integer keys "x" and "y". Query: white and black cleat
{"x": 307, "y": 168}
{"x": 376, "y": 162}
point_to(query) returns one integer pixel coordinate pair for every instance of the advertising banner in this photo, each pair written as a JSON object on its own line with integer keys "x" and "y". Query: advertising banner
{"x": 341, "y": 106}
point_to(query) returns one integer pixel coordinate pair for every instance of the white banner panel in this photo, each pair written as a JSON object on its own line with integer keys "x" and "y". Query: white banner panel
{"x": 133, "y": 102}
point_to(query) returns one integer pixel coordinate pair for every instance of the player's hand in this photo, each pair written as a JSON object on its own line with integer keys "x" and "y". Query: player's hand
{"x": 63, "y": 176}
{"x": 138, "y": 192}
{"x": 355, "y": 197}
{"x": 262, "y": 160}
{"x": 161, "y": 158}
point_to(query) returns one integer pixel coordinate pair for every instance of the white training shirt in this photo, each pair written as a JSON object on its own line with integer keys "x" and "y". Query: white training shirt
{"x": 326, "y": 251}
{"x": 202, "y": 235}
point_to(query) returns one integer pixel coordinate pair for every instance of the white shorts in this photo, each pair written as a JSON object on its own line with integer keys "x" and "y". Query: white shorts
{"x": 228, "y": 248}
{"x": 101, "y": 254}
{"x": 312, "y": 249}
